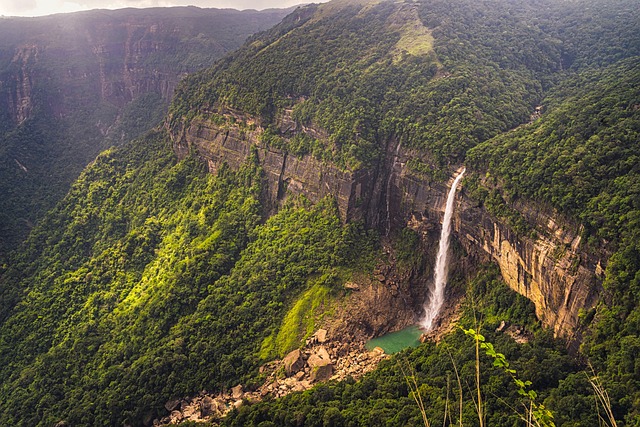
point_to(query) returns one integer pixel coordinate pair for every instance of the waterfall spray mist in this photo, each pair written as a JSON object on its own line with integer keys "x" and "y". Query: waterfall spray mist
{"x": 436, "y": 300}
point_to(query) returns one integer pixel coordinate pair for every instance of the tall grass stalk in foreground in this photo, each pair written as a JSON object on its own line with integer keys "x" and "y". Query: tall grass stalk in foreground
{"x": 415, "y": 391}
{"x": 455, "y": 369}
{"x": 536, "y": 415}
{"x": 602, "y": 398}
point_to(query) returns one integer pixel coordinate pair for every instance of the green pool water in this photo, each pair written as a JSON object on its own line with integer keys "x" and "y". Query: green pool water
{"x": 396, "y": 341}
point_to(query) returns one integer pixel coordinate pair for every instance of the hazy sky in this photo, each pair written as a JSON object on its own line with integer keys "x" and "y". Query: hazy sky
{"x": 46, "y": 7}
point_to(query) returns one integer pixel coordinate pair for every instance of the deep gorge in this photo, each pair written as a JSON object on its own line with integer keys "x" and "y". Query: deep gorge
{"x": 551, "y": 270}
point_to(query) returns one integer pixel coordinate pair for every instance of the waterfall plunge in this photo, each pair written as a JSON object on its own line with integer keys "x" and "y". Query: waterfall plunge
{"x": 432, "y": 308}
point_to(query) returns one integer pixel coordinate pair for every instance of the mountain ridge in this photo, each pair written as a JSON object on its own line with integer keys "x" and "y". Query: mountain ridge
{"x": 74, "y": 84}
{"x": 171, "y": 266}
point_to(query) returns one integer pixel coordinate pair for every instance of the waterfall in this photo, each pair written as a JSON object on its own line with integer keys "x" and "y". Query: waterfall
{"x": 432, "y": 308}
{"x": 393, "y": 165}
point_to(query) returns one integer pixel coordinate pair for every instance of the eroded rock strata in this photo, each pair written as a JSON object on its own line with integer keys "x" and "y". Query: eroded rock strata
{"x": 550, "y": 269}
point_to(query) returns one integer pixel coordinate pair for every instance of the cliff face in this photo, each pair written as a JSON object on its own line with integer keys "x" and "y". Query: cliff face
{"x": 20, "y": 83}
{"x": 285, "y": 174}
{"x": 115, "y": 56}
{"x": 550, "y": 269}
{"x": 72, "y": 85}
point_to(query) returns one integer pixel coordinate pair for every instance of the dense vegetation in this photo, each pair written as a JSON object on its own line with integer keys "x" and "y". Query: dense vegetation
{"x": 439, "y": 76}
{"x": 581, "y": 158}
{"x": 73, "y": 85}
{"x": 158, "y": 280}
{"x": 385, "y": 397}
{"x": 379, "y": 71}
{"x": 477, "y": 72}
{"x": 153, "y": 279}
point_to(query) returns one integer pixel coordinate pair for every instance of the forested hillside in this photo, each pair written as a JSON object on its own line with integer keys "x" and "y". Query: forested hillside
{"x": 72, "y": 85}
{"x": 162, "y": 273}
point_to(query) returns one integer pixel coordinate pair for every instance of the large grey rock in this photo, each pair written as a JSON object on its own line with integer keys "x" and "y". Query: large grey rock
{"x": 323, "y": 354}
{"x": 321, "y": 370}
{"x": 208, "y": 407}
{"x": 293, "y": 362}
{"x": 172, "y": 404}
{"x": 321, "y": 335}
{"x": 237, "y": 392}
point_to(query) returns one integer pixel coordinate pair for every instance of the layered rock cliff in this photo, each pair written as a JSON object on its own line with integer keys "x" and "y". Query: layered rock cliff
{"x": 285, "y": 174}
{"x": 549, "y": 266}
{"x": 72, "y": 85}
{"x": 116, "y": 55}
{"x": 550, "y": 269}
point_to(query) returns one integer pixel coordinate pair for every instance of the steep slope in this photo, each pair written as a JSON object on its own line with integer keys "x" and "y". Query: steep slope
{"x": 158, "y": 281}
{"x": 154, "y": 280}
{"x": 72, "y": 85}
{"x": 382, "y": 131}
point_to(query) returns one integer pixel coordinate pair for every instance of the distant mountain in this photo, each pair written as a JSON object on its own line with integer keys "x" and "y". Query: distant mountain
{"x": 74, "y": 84}
{"x": 299, "y": 183}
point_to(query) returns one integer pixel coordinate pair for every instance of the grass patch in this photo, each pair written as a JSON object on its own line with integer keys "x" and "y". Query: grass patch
{"x": 299, "y": 323}
{"x": 416, "y": 40}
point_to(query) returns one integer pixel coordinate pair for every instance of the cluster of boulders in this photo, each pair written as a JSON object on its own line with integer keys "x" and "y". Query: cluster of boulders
{"x": 518, "y": 333}
{"x": 204, "y": 407}
{"x": 319, "y": 360}
{"x": 357, "y": 364}
{"x": 385, "y": 275}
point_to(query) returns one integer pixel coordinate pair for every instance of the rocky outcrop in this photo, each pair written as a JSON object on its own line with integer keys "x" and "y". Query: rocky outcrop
{"x": 335, "y": 360}
{"x": 285, "y": 174}
{"x": 115, "y": 56}
{"x": 293, "y": 362}
{"x": 320, "y": 365}
{"x": 550, "y": 269}
{"x": 19, "y": 85}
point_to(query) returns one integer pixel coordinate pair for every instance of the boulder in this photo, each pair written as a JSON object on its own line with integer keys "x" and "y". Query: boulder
{"x": 237, "y": 392}
{"x": 238, "y": 404}
{"x": 293, "y": 362}
{"x": 323, "y": 354}
{"x": 208, "y": 407}
{"x": 378, "y": 351}
{"x": 298, "y": 387}
{"x": 314, "y": 360}
{"x": 352, "y": 286}
{"x": 322, "y": 370}
{"x": 172, "y": 404}
{"x": 321, "y": 335}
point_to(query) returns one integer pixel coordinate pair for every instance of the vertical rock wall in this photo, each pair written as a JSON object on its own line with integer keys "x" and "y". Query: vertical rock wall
{"x": 549, "y": 269}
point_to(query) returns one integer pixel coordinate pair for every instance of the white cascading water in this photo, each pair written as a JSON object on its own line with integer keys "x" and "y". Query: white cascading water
{"x": 432, "y": 308}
